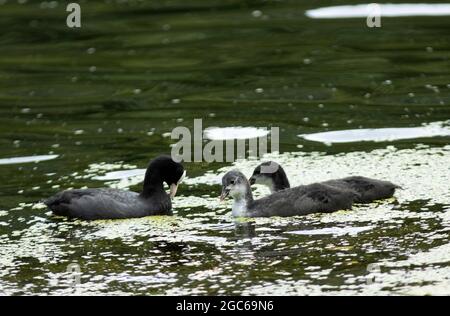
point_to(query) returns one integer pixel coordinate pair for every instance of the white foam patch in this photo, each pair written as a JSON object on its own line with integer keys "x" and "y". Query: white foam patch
{"x": 224, "y": 133}
{"x": 379, "y": 134}
{"x": 26, "y": 159}
{"x": 386, "y": 10}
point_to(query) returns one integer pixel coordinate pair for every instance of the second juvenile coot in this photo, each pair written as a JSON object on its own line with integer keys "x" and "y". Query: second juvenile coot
{"x": 272, "y": 175}
{"x": 301, "y": 200}
{"x": 106, "y": 203}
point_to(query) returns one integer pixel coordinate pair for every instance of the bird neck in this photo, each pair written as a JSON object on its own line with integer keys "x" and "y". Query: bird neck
{"x": 153, "y": 185}
{"x": 242, "y": 201}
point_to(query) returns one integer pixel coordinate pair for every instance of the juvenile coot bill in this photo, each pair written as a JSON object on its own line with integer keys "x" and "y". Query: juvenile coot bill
{"x": 106, "y": 203}
{"x": 273, "y": 176}
{"x": 301, "y": 200}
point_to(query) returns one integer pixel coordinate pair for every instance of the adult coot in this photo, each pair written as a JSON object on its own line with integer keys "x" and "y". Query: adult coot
{"x": 106, "y": 203}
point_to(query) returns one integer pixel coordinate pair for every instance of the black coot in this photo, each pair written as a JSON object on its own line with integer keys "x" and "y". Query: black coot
{"x": 105, "y": 203}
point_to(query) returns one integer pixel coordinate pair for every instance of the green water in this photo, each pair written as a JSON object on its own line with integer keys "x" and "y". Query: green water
{"x": 101, "y": 98}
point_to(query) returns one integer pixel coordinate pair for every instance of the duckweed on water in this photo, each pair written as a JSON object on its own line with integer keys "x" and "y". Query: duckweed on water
{"x": 204, "y": 250}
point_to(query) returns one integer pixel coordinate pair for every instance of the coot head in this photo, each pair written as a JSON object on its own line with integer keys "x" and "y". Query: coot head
{"x": 270, "y": 174}
{"x": 264, "y": 172}
{"x": 234, "y": 184}
{"x": 164, "y": 169}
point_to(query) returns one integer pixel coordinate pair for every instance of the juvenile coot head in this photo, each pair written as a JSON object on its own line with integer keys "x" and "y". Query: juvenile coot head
{"x": 270, "y": 174}
{"x": 234, "y": 184}
{"x": 164, "y": 169}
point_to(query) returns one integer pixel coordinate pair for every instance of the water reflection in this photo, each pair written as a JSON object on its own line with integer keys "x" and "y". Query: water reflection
{"x": 244, "y": 229}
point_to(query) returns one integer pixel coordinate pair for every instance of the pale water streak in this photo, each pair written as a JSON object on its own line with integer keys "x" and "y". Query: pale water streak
{"x": 387, "y": 10}
{"x": 26, "y": 159}
{"x": 434, "y": 129}
{"x": 226, "y": 133}
{"x": 336, "y": 231}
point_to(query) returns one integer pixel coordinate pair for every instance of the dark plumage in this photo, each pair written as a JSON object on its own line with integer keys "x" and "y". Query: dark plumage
{"x": 105, "y": 203}
{"x": 272, "y": 175}
{"x": 301, "y": 200}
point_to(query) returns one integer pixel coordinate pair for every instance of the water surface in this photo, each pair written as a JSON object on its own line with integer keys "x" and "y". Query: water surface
{"x": 97, "y": 103}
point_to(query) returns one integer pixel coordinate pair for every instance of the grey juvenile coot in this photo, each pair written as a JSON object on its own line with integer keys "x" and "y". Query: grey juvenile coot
{"x": 272, "y": 175}
{"x": 301, "y": 200}
{"x": 105, "y": 203}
